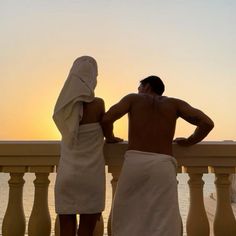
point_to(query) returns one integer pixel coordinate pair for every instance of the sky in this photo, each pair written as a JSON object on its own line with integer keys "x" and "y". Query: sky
{"x": 189, "y": 44}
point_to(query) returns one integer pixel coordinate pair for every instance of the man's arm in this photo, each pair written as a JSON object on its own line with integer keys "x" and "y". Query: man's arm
{"x": 196, "y": 117}
{"x": 113, "y": 114}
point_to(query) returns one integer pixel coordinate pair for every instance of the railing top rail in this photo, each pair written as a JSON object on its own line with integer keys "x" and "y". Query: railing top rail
{"x": 46, "y": 153}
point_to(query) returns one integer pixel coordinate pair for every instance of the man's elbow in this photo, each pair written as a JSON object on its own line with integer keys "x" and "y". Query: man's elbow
{"x": 209, "y": 125}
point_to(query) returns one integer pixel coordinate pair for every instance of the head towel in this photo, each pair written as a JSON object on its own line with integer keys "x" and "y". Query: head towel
{"x": 78, "y": 88}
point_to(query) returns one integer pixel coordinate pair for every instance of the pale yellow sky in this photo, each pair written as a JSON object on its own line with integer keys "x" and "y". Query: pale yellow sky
{"x": 189, "y": 44}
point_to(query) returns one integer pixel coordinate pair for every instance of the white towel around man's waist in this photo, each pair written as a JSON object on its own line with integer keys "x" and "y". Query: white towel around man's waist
{"x": 80, "y": 181}
{"x": 146, "y": 202}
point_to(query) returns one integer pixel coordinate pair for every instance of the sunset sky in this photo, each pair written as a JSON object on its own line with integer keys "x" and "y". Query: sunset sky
{"x": 190, "y": 44}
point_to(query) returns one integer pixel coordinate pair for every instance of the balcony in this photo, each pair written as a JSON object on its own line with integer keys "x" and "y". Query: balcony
{"x": 41, "y": 158}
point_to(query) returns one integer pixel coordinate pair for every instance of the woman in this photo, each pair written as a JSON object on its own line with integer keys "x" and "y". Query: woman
{"x": 80, "y": 182}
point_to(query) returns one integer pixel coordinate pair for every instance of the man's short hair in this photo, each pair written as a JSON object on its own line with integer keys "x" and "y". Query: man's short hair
{"x": 155, "y": 83}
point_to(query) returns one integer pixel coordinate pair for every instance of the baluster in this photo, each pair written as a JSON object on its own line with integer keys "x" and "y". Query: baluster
{"x": 224, "y": 222}
{"x": 14, "y": 220}
{"x": 40, "y": 221}
{"x": 115, "y": 174}
{"x": 197, "y": 222}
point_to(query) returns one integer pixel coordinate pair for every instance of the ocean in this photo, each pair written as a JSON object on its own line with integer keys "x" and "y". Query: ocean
{"x": 28, "y": 196}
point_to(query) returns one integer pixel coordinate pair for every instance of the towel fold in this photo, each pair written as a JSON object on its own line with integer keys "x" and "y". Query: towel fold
{"x": 146, "y": 202}
{"x": 80, "y": 182}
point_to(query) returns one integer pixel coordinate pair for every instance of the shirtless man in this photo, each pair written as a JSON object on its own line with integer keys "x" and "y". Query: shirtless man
{"x": 152, "y": 121}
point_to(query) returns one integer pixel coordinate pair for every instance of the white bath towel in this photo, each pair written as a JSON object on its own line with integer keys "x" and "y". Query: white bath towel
{"x": 78, "y": 88}
{"x": 80, "y": 182}
{"x": 146, "y": 202}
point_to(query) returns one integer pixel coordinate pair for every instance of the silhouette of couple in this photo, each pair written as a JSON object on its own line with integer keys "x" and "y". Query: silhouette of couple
{"x": 146, "y": 201}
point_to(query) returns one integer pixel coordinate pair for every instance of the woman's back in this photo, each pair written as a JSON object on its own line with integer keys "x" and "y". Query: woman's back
{"x": 93, "y": 111}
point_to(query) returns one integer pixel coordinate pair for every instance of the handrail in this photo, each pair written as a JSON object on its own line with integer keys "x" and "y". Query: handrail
{"x": 28, "y": 152}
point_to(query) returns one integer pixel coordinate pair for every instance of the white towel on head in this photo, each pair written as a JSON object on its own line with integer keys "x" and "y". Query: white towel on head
{"x": 78, "y": 88}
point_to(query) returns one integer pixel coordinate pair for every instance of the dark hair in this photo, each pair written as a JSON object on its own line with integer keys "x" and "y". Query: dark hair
{"x": 156, "y": 84}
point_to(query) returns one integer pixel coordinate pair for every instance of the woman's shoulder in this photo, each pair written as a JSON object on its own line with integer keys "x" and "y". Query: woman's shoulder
{"x": 98, "y": 99}
{"x": 98, "y": 102}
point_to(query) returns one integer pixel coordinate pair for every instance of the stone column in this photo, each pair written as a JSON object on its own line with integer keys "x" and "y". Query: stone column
{"x": 224, "y": 222}
{"x": 197, "y": 222}
{"x": 40, "y": 220}
{"x": 14, "y": 220}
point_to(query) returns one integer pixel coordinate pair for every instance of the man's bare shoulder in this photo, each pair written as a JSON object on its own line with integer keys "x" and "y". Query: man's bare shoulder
{"x": 175, "y": 101}
{"x": 130, "y": 97}
{"x": 136, "y": 96}
{"x": 185, "y": 110}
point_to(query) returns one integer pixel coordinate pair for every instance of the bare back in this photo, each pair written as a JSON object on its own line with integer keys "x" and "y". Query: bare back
{"x": 152, "y": 121}
{"x": 93, "y": 111}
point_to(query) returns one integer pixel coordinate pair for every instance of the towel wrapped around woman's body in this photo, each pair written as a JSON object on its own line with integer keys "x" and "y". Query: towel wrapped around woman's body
{"x": 80, "y": 182}
{"x": 146, "y": 202}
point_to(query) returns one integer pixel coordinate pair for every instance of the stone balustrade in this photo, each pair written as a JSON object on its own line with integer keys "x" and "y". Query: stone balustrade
{"x": 41, "y": 158}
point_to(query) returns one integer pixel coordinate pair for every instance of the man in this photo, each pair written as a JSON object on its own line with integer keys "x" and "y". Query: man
{"x": 146, "y": 202}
